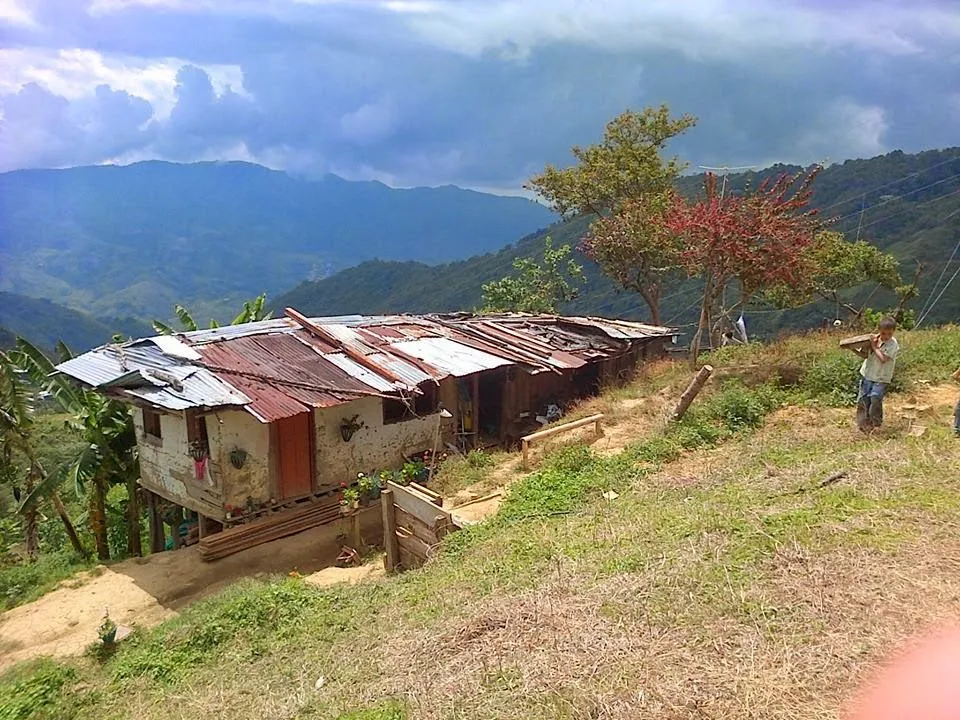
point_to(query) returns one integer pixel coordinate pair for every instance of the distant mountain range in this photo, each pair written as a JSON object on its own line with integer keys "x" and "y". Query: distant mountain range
{"x": 908, "y": 205}
{"x": 135, "y": 240}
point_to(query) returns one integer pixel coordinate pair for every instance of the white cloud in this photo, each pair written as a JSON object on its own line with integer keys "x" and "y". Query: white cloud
{"x": 698, "y": 28}
{"x": 846, "y": 129}
{"x": 76, "y": 73}
{"x": 13, "y": 12}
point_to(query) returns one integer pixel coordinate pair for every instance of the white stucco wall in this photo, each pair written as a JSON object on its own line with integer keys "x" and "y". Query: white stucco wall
{"x": 237, "y": 429}
{"x": 374, "y": 447}
{"x": 168, "y": 469}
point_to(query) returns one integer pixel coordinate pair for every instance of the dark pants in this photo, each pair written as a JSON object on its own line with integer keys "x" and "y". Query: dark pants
{"x": 956, "y": 418}
{"x": 870, "y": 404}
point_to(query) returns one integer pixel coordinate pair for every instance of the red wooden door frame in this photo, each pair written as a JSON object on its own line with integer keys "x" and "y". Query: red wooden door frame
{"x": 283, "y": 488}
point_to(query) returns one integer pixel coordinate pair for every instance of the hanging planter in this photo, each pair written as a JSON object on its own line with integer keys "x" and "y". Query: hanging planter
{"x": 238, "y": 457}
{"x": 349, "y": 427}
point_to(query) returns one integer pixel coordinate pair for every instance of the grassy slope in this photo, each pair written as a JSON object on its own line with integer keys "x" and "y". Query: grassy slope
{"x": 722, "y": 582}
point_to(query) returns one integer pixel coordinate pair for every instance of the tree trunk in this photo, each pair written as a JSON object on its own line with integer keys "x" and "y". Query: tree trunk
{"x": 68, "y": 525}
{"x": 98, "y": 518}
{"x": 134, "y": 543}
{"x": 704, "y": 321}
{"x": 651, "y": 296}
{"x": 31, "y": 535}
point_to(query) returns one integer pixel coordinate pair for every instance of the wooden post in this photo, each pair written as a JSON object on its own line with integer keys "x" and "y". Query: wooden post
{"x": 356, "y": 541}
{"x": 177, "y": 522}
{"x": 693, "y": 389}
{"x": 389, "y": 529}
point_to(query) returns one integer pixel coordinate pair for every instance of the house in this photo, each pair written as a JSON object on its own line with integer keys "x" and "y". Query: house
{"x": 235, "y": 419}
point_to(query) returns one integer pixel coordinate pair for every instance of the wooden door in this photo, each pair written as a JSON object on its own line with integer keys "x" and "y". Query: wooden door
{"x": 294, "y": 443}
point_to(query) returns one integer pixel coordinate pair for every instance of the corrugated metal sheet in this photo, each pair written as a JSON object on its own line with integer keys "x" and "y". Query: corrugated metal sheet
{"x": 230, "y": 332}
{"x": 130, "y": 366}
{"x": 450, "y": 356}
{"x": 278, "y": 369}
{"x": 404, "y": 369}
{"x": 358, "y": 371}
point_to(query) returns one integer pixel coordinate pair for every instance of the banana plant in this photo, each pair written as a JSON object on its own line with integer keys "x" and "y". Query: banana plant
{"x": 109, "y": 455}
{"x": 252, "y": 311}
{"x": 16, "y": 425}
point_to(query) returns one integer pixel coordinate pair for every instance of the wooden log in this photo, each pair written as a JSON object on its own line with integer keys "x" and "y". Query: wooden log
{"x": 388, "y": 513}
{"x": 693, "y": 389}
{"x": 526, "y": 440}
{"x": 409, "y": 561}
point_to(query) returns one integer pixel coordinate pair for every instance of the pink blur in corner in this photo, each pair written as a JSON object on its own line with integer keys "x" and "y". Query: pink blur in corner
{"x": 920, "y": 683}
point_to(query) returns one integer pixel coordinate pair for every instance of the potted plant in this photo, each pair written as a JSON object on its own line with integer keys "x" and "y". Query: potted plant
{"x": 107, "y": 630}
{"x": 368, "y": 486}
{"x": 350, "y": 500}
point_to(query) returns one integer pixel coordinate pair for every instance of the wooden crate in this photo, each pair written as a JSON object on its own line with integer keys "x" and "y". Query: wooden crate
{"x": 856, "y": 344}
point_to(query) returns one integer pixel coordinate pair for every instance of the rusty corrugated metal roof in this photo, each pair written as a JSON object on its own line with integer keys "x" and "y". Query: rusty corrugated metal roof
{"x": 282, "y": 367}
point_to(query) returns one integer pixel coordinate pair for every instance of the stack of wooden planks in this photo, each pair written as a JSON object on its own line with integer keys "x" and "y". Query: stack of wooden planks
{"x": 856, "y": 344}
{"x": 282, "y": 524}
{"x": 414, "y": 523}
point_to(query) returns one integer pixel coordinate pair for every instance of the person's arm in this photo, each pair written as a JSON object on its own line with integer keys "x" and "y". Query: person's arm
{"x": 875, "y": 345}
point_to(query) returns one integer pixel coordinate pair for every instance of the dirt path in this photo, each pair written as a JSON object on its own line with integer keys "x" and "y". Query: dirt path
{"x": 143, "y": 592}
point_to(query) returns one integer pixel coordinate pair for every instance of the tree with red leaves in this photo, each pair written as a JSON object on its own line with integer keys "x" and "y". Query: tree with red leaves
{"x": 751, "y": 241}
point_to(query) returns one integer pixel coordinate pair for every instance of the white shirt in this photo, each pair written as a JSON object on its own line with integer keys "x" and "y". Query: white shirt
{"x": 881, "y": 372}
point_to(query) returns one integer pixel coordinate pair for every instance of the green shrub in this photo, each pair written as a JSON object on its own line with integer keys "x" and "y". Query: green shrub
{"x": 21, "y": 582}
{"x": 255, "y": 612}
{"x": 34, "y": 692}
{"x": 833, "y": 378}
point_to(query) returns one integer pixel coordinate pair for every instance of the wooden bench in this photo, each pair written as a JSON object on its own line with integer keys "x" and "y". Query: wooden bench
{"x": 527, "y": 440}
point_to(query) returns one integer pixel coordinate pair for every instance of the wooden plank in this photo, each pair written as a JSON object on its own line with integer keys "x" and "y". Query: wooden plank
{"x": 388, "y": 513}
{"x": 856, "y": 344}
{"x": 436, "y": 498}
{"x": 416, "y": 504}
{"x": 421, "y": 530}
{"x": 412, "y": 544}
{"x": 409, "y": 561}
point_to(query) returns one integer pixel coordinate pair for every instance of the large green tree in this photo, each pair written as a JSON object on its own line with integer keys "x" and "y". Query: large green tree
{"x": 624, "y": 183}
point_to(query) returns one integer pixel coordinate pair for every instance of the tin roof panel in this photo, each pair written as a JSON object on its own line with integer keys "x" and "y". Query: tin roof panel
{"x": 451, "y": 357}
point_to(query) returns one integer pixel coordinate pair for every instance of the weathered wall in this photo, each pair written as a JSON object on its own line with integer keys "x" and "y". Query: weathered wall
{"x": 167, "y": 468}
{"x": 374, "y": 447}
{"x": 236, "y": 429}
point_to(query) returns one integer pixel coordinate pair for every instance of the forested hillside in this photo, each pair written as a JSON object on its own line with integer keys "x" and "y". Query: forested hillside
{"x": 135, "y": 240}
{"x": 906, "y": 204}
{"x": 44, "y": 322}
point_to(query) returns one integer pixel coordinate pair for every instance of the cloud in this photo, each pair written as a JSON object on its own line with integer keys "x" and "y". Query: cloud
{"x": 476, "y": 92}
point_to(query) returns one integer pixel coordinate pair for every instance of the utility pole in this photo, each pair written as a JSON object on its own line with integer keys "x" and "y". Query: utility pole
{"x": 723, "y": 173}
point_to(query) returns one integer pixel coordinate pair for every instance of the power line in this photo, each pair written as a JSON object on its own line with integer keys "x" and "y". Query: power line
{"x": 943, "y": 272}
{"x": 892, "y": 182}
{"x": 945, "y": 287}
{"x": 899, "y": 197}
{"x": 912, "y": 206}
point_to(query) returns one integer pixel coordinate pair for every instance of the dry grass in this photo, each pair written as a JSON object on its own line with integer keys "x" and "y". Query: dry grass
{"x": 727, "y": 584}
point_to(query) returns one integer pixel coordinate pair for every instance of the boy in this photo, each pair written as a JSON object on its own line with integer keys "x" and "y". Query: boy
{"x": 875, "y": 374}
{"x": 956, "y": 410}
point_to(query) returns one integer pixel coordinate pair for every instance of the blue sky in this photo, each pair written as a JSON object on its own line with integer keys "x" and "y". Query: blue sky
{"x": 479, "y": 93}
